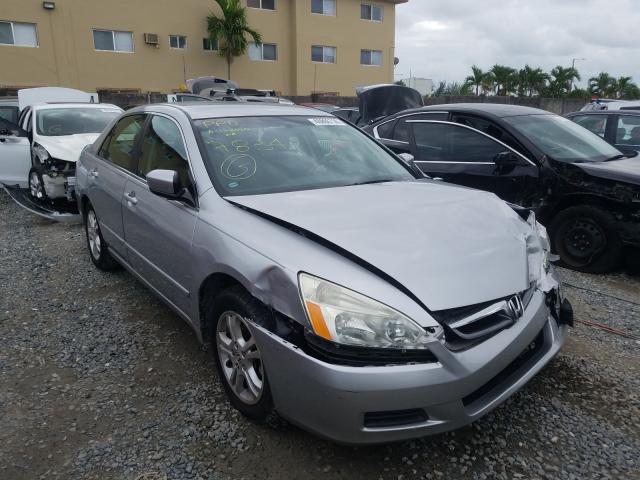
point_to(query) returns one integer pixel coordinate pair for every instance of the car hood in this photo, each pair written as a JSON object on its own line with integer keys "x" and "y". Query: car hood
{"x": 626, "y": 170}
{"x": 67, "y": 147}
{"x": 379, "y": 101}
{"x": 447, "y": 246}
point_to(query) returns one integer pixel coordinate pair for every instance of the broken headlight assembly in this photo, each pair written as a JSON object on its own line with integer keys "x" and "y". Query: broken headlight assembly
{"x": 345, "y": 317}
{"x": 538, "y": 252}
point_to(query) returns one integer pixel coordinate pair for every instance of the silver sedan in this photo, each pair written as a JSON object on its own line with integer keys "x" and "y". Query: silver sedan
{"x": 337, "y": 286}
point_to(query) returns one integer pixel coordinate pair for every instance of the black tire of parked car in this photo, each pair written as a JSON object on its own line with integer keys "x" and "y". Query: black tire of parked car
{"x": 236, "y": 299}
{"x": 102, "y": 259}
{"x": 586, "y": 239}
{"x": 36, "y": 185}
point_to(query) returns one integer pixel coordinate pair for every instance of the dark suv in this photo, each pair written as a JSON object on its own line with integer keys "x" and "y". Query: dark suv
{"x": 586, "y": 191}
{"x": 620, "y": 128}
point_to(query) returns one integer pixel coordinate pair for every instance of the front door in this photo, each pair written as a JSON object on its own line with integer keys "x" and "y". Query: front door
{"x": 159, "y": 231}
{"x": 107, "y": 173}
{"x": 15, "y": 155}
{"x": 465, "y": 156}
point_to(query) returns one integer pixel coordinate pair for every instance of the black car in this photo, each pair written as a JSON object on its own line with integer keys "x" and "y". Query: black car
{"x": 621, "y": 128}
{"x": 586, "y": 191}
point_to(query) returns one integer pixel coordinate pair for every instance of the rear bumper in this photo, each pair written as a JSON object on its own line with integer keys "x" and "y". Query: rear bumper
{"x": 339, "y": 402}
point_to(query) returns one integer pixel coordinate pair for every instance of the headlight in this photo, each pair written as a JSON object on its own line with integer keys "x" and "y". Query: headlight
{"x": 41, "y": 152}
{"x": 538, "y": 250}
{"x": 343, "y": 316}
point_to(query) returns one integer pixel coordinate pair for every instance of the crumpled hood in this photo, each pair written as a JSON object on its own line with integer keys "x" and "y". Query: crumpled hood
{"x": 67, "y": 147}
{"x": 626, "y": 170}
{"x": 448, "y": 246}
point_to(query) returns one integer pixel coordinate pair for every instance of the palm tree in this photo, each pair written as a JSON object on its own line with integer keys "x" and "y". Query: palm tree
{"x": 602, "y": 84}
{"x": 476, "y": 78}
{"x": 531, "y": 81}
{"x": 623, "y": 84}
{"x": 504, "y": 78}
{"x": 230, "y": 30}
{"x": 561, "y": 81}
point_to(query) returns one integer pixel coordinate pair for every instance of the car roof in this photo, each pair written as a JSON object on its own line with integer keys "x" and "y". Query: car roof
{"x": 495, "y": 109}
{"x": 605, "y": 112}
{"x": 200, "y": 110}
{"x": 45, "y": 106}
{"x": 9, "y": 100}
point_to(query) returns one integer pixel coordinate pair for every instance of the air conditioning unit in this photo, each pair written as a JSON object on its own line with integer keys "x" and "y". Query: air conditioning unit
{"x": 151, "y": 38}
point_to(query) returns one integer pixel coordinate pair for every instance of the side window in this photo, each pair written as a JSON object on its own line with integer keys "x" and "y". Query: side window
{"x": 401, "y": 132}
{"x": 163, "y": 148}
{"x": 491, "y": 129}
{"x": 386, "y": 130}
{"x": 628, "y": 130}
{"x": 119, "y": 145}
{"x": 595, "y": 123}
{"x": 444, "y": 142}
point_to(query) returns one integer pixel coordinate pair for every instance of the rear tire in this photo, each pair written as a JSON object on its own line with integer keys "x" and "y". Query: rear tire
{"x": 238, "y": 357}
{"x": 98, "y": 248}
{"x": 586, "y": 239}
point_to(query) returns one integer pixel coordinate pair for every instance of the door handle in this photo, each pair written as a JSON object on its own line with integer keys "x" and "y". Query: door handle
{"x": 131, "y": 198}
{"x": 93, "y": 173}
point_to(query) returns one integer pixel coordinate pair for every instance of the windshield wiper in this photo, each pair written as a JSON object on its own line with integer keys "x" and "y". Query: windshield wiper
{"x": 616, "y": 157}
{"x": 369, "y": 182}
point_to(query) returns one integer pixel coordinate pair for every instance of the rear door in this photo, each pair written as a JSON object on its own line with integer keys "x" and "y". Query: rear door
{"x": 15, "y": 154}
{"x": 396, "y": 133}
{"x": 465, "y": 156}
{"x": 159, "y": 231}
{"x": 107, "y": 173}
{"x": 626, "y": 132}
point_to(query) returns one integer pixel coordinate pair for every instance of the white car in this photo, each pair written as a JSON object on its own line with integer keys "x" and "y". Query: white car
{"x": 42, "y": 153}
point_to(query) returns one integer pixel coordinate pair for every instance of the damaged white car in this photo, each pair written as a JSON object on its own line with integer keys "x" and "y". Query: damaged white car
{"x": 42, "y": 150}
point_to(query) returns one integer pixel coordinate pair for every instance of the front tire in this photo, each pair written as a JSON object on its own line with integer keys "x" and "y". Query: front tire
{"x": 238, "y": 357}
{"x": 98, "y": 249}
{"x": 586, "y": 239}
{"x": 36, "y": 185}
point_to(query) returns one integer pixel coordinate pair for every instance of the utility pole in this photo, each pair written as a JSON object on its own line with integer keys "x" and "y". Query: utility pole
{"x": 573, "y": 66}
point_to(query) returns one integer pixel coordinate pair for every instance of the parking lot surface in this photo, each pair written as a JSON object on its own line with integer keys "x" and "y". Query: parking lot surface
{"x": 100, "y": 380}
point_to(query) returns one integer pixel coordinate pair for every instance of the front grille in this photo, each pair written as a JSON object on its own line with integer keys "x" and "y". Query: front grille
{"x": 525, "y": 356}
{"x": 395, "y": 418}
{"x": 467, "y": 326}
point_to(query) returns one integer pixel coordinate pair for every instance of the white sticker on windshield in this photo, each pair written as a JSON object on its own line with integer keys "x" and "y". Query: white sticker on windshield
{"x": 326, "y": 121}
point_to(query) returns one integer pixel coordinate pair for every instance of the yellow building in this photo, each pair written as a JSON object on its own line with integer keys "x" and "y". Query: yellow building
{"x": 155, "y": 45}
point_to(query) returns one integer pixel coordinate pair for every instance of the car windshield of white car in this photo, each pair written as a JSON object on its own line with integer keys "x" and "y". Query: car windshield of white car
{"x": 56, "y": 122}
{"x": 563, "y": 140}
{"x": 258, "y": 155}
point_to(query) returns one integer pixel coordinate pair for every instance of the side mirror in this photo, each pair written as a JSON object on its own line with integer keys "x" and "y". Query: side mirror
{"x": 410, "y": 160}
{"x": 407, "y": 157}
{"x": 165, "y": 183}
{"x": 506, "y": 159}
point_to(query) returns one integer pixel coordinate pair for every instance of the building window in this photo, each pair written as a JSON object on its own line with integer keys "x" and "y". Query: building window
{"x": 178, "y": 41}
{"x": 322, "y": 54}
{"x": 371, "y": 57}
{"x": 323, "y": 7}
{"x": 262, "y": 4}
{"x": 209, "y": 44}
{"x": 19, "y": 34}
{"x": 371, "y": 12}
{"x": 112, "y": 41}
{"x": 263, "y": 51}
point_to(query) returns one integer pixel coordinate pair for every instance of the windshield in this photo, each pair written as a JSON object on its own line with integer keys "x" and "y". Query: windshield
{"x": 56, "y": 122}
{"x": 258, "y": 155}
{"x": 563, "y": 140}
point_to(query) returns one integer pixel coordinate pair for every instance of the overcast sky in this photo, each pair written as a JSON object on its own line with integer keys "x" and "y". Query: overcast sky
{"x": 441, "y": 39}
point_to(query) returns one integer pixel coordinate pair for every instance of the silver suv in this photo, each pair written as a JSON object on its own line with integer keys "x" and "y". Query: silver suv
{"x": 336, "y": 286}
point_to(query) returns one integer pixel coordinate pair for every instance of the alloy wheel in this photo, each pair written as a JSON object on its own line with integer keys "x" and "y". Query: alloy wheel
{"x": 93, "y": 234}
{"x": 239, "y": 357}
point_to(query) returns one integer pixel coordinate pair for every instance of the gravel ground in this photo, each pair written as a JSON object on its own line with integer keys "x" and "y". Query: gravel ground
{"x": 99, "y": 380}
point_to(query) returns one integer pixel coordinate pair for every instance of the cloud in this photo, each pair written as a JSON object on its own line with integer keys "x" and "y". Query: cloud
{"x": 441, "y": 39}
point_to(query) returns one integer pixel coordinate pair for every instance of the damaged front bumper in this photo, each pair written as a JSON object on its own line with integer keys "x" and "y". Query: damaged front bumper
{"x": 378, "y": 404}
